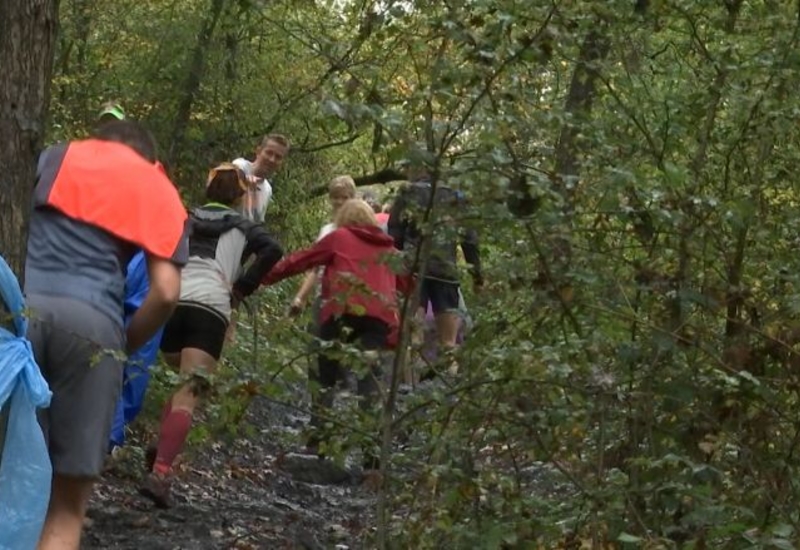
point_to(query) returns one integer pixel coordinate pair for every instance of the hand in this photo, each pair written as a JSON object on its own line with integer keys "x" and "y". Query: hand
{"x": 296, "y": 307}
{"x": 230, "y": 333}
{"x": 236, "y": 299}
{"x": 252, "y": 182}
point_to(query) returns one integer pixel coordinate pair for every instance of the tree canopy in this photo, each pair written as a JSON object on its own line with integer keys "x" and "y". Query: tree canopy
{"x": 629, "y": 165}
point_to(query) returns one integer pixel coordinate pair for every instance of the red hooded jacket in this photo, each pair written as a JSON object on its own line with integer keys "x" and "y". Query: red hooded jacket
{"x": 358, "y": 279}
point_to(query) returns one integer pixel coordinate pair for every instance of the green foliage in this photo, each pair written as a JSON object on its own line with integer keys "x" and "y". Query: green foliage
{"x": 632, "y": 380}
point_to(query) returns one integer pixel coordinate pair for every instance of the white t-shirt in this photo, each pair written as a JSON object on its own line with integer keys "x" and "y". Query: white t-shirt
{"x": 326, "y": 230}
{"x": 254, "y": 205}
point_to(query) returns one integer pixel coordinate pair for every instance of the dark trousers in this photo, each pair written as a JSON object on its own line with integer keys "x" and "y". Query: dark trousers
{"x": 362, "y": 332}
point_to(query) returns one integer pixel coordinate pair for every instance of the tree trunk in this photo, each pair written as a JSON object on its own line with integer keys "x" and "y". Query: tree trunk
{"x": 27, "y": 38}
{"x": 193, "y": 79}
{"x": 578, "y": 107}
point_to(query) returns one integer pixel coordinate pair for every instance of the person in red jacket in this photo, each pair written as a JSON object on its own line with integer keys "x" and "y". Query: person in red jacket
{"x": 359, "y": 302}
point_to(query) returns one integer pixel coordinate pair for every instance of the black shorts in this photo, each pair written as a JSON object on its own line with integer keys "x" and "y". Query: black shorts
{"x": 442, "y": 295}
{"x": 195, "y": 326}
{"x": 368, "y": 333}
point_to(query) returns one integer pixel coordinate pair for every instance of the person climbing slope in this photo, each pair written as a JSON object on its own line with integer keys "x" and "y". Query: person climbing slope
{"x": 340, "y": 190}
{"x": 439, "y": 281}
{"x": 212, "y": 285}
{"x": 359, "y": 303}
{"x": 136, "y": 372}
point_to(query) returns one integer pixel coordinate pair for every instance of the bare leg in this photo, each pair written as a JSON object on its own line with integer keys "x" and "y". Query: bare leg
{"x": 415, "y": 362}
{"x": 177, "y": 416}
{"x": 64, "y": 522}
{"x": 447, "y": 324}
{"x": 193, "y": 360}
{"x": 447, "y": 328}
{"x": 176, "y": 422}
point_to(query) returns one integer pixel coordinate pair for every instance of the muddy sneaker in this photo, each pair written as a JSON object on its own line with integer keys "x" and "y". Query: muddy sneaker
{"x": 157, "y": 489}
{"x": 113, "y": 459}
{"x": 451, "y": 361}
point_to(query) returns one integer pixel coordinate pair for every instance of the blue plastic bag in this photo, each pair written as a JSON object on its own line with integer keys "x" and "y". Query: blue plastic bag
{"x": 137, "y": 367}
{"x": 25, "y": 470}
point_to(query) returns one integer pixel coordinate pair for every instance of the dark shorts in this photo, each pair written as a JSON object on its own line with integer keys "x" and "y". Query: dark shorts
{"x": 78, "y": 351}
{"x": 442, "y": 295}
{"x": 195, "y": 326}
{"x": 367, "y": 333}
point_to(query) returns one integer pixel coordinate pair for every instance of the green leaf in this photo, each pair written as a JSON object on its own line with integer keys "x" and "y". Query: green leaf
{"x": 783, "y": 544}
{"x": 628, "y": 538}
{"x": 675, "y": 175}
{"x": 783, "y": 530}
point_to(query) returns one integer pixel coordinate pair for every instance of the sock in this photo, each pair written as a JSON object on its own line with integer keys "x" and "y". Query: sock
{"x": 166, "y": 410}
{"x": 174, "y": 429}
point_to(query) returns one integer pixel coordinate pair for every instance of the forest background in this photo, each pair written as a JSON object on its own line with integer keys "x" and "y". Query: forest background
{"x": 630, "y": 167}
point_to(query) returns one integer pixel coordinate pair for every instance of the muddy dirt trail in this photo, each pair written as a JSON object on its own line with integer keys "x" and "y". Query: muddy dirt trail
{"x": 249, "y": 492}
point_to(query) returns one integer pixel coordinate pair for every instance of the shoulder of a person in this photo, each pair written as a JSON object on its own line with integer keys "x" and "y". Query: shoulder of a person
{"x": 242, "y": 222}
{"x": 165, "y": 193}
{"x": 334, "y": 232}
{"x": 242, "y": 163}
{"x": 48, "y": 152}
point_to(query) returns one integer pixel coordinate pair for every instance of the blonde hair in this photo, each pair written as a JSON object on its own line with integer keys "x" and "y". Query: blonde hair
{"x": 342, "y": 185}
{"x": 355, "y": 212}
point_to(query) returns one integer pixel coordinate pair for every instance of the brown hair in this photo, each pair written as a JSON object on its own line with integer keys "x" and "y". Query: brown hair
{"x": 129, "y": 133}
{"x": 277, "y": 138}
{"x": 225, "y": 184}
{"x": 344, "y": 185}
{"x": 355, "y": 212}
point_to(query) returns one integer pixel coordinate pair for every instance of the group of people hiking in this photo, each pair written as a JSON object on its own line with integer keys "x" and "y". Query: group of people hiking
{"x": 116, "y": 266}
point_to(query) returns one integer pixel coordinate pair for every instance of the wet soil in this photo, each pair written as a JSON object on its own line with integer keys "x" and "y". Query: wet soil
{"x": 250, "y": 491}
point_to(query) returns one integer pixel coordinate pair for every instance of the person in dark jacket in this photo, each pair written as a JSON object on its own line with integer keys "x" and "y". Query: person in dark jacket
{"x": 212, "y": 285}
{"x": 359, "y": 302}
{"x": 440, "y": 278}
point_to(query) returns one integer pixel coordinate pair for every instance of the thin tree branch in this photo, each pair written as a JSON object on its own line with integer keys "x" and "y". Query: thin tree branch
{"x": 387, "y": 175}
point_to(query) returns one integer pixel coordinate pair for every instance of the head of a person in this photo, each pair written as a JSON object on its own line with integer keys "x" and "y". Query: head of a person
{"x": 110, "y": 112}
{"x": 355, "y": 212}
{"x": 340, "y": 190}
{"x": 416, "y": 164}
{"x": 372, "y": 200}
{"x": 129, "y": 133}
{"x": 270, "y": 155}
{"x": 226, "y": 185}
{"x": 417, "y": 171}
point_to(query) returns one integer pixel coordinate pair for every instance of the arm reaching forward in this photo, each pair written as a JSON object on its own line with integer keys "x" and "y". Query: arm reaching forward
{"x": 321, "y": 253}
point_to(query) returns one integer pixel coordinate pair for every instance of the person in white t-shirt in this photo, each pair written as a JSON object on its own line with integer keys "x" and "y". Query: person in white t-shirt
{"x": 340, "y": 190}
{"x": 270, "y": 155}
